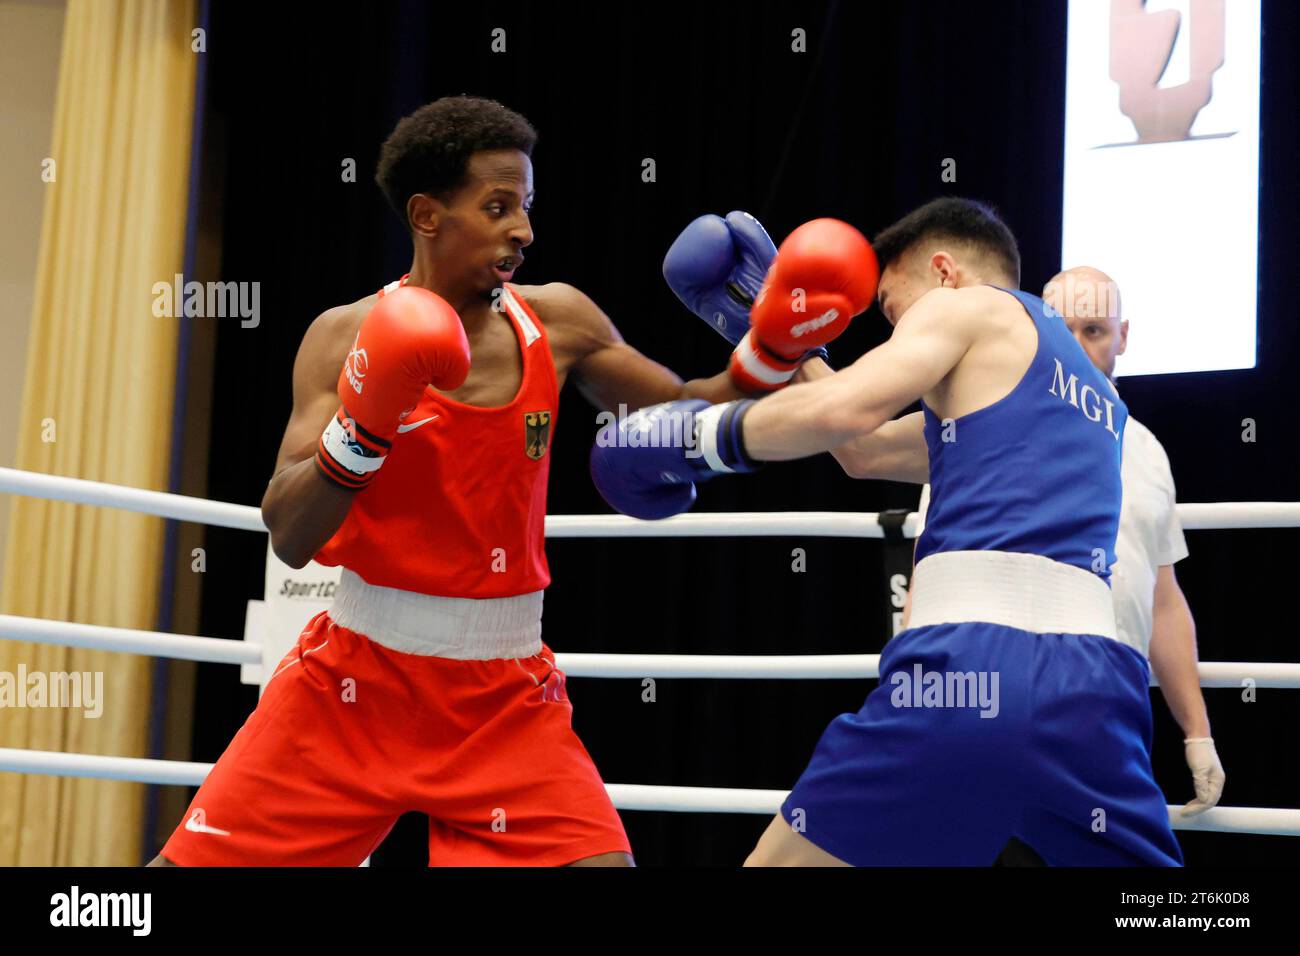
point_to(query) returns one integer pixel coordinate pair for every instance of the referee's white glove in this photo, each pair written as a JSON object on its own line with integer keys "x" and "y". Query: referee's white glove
{"x": 1207, "y": 774}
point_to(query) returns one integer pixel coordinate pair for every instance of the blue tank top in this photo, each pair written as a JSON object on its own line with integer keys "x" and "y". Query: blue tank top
{"x": 1037, "y": 471}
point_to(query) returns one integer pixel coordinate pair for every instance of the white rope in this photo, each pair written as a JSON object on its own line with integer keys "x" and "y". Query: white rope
{"x": 1225, "y": 515}
{"x": 735, "y": 524}
{"x": 160, "y": 503}
{"x": 1232, "y": 674}
{"x": 1263, "y": 820}
{"x": 626, "y": 796}
{"x": 1198, "y": 516}
{"x": 853, "y": 667}
{"x": 218, "y": 650}
{"x": 213, "y": 650}
{"x": 137, "y": 769}
{"x": 636, "y": 796}
{"x": 761, "y": 667}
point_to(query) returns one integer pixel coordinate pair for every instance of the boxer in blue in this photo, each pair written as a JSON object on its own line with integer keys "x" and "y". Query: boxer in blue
{"x": 1008, "y": 708}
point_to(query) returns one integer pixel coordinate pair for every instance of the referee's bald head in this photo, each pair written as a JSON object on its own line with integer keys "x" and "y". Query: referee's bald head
{"x": 1089, "y": 301}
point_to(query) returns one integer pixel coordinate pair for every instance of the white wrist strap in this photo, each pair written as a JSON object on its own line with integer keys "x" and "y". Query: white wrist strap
{"x": 344, "y": 449}
{"x": 706, "y": 434}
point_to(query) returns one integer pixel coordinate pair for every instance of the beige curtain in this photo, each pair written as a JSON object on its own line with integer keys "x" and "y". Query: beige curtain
{"x": 97, "y": 403}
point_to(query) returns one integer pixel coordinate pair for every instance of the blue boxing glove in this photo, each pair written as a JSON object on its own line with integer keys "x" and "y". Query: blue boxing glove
{"x": 717, "y": 266}
{"x": 648, "y": 465}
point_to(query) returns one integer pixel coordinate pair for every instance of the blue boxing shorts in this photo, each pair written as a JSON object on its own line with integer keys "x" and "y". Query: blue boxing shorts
{"x": 980, "y": 732}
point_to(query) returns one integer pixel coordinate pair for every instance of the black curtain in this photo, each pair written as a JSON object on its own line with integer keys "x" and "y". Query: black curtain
{"x": 857, "y": 127}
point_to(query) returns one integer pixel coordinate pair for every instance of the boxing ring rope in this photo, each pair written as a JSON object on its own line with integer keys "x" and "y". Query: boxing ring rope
{"x": 1257, "y": 820}
{"x": 160, "y": 503}
{"x": 1198, "y": 516}
{"x": 183, "y": 647}
{"x": 216, "y": 650}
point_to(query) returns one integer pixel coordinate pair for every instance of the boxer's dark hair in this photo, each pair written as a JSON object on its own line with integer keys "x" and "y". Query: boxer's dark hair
{"x": 964, "y": 220}
{"x": 429, "y": 150}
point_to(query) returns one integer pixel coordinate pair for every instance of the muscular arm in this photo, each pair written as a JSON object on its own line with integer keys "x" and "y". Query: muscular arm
{"x": 1173, "y": 655}
{"x": 616, "y": 373}
{"x": 608, "y": 371}
{"x": 302, "y": 509}
{"x": 896, "y": 451}
{"x": 821, "y": 415}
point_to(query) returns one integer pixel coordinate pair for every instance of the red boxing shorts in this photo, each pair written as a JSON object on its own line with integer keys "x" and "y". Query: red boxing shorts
{"x": 350, "y": 734}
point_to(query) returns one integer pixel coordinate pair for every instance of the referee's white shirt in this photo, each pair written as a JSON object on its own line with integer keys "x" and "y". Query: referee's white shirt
{"x": 1150, "y": 535}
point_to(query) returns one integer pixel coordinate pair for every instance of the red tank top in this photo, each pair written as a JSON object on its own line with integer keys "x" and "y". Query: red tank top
{"x": 459, "y": 507}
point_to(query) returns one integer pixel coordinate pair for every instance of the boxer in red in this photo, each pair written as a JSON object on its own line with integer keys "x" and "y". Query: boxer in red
{"x": 416, "y": 457}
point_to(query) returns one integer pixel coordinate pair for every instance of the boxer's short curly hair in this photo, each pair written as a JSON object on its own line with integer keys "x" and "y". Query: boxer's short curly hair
{"x": 952, "y": 218}
{"x": 429, "y": 150}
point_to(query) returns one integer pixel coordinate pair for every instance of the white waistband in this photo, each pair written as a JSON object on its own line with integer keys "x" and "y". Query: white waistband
{"x": 467, "y": 629}
{"x": 1025, "y": 591}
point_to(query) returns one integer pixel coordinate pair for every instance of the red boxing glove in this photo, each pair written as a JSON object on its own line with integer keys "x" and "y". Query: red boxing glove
{"x": 824, "y": 274}
{"x": 409, "y": 340}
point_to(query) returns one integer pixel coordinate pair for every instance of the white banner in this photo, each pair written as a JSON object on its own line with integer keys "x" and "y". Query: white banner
{"x": 292, "y": 598}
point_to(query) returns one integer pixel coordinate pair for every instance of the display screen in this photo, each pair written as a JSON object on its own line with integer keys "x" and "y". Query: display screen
{"x": 1162, "y": 173}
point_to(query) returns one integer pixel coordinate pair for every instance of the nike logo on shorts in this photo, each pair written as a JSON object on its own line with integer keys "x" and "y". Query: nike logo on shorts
{"x": 414, "y": 425}
{"x": 194, "y": 825}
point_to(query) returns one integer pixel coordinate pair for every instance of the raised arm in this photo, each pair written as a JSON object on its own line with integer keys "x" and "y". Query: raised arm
{"x": 408, "y": 340}
{"x": 653, "y": 473}
{"x": 929, "y": 340}
{"x": 608, "y": 371}
{"x": 896, "y": 451}
{"x": 301, "y": 508}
